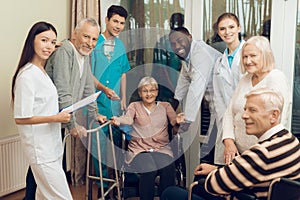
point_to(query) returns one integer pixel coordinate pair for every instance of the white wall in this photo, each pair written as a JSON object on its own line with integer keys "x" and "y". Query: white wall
{"x": 16, "y": 18}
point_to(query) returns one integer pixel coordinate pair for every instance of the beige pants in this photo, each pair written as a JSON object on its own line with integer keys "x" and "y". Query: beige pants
{"x": 78, "y": 161}
{"x": 78, "y": 153}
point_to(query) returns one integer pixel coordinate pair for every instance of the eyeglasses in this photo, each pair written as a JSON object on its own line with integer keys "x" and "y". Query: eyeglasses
{"x": 149, "y": 91}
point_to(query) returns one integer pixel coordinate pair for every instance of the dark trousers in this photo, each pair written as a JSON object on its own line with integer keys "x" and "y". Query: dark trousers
{"x": 149, "y": 165}
{"x": 198, "y": 192}
{"x": 30, "y": 186}
{"x": 174, "y": 193}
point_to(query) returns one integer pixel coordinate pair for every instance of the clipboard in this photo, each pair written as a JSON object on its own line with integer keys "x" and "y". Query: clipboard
{"x": 82, "y": 102}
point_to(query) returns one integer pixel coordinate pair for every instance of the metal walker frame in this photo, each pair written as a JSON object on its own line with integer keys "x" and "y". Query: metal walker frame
{"x": 90, "y": 177}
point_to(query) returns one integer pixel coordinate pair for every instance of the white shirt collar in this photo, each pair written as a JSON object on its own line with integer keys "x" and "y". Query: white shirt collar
{"x": 269, "y": 133}
{"x": 80, "y": 59}
{"x": 147, "y": 110}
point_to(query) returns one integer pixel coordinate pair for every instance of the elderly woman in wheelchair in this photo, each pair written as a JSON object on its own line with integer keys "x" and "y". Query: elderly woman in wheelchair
{"x": 149, "y": 152}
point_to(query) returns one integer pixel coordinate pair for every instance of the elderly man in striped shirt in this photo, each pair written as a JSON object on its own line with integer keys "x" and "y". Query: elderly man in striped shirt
{"x": 276, "y": 155}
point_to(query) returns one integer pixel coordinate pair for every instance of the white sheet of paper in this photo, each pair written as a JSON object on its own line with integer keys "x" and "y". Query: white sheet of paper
{"x": 82, "y": 102}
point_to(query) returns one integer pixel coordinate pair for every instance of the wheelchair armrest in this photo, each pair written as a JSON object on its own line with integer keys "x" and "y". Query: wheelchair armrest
{"x": 242, "y": 195}
{"x": 279, "y": 188}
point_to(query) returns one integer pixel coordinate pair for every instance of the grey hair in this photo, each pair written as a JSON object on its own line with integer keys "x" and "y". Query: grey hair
{"x": 263, "y": 45}
{"x": 272, "y": 99}
{"x": 147, "y": 80}
{"x": 91, "y": 21}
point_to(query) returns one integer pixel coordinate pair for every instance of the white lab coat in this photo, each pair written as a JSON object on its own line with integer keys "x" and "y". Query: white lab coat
{"x": 195, "y": 76}
{"x": 225, "y": 80}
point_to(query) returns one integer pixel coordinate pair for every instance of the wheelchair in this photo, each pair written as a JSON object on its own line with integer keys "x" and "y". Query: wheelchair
{"x": 130, "y": 180}
{"x": 130, "y": 185}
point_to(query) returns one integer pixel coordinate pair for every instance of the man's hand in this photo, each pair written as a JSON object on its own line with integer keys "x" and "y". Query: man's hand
{"x": 204, "y": 169}
{"x": 101, "y": 118}
{"x": 78, "y": 131}
{"x": 230, "y": 151}
{"x": 111, "y": 94}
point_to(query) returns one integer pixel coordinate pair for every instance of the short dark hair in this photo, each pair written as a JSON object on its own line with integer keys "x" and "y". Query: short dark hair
{"x": 115, "y": 9}
{"x": 181, "y": 29}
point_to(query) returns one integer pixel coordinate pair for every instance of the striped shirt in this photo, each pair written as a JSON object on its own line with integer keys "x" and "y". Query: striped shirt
{"x": 275, "y": 157}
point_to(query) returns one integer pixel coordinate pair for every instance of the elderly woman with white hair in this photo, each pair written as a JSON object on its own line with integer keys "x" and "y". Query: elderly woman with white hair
{"x": 258, "y": 65}
{"x": 149, "y": 152}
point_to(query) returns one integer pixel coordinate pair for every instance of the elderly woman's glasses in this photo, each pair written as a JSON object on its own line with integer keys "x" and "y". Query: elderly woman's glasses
{"x": 149, "y": 91}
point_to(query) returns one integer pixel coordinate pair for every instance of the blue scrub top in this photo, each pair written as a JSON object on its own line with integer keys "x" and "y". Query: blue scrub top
{"x": 109, "y": 73}
{"x": 230, "y": 57}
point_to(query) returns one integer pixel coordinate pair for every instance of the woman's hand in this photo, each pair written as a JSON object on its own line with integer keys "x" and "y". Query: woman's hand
{"x": 115, "y": 121}
{"x": 63, "y": 117}
{"x": 180, "y": 118}
{"x": 230, "y": 150}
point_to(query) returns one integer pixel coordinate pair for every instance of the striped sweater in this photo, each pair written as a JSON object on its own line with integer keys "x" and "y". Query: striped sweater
{"x": 278, "y": 156}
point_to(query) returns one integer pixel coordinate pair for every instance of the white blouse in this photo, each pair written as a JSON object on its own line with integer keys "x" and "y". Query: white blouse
{"x": 233, "y": 124}
{"x": 36, "y": 95}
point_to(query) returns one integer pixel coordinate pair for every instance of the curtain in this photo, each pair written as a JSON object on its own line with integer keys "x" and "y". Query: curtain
{"x": 85, "y": 8}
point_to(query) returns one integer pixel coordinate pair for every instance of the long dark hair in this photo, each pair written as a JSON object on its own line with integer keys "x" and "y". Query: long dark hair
{"x": 28, "y": 49}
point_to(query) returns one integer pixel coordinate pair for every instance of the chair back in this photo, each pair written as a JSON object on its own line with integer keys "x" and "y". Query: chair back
{"x": 284, "y": 188}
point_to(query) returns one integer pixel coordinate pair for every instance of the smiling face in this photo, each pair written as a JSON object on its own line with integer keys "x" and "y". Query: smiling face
{"x": 181, "y": 44}
{"x": 114, "y": 26}
{"x": 257, "y": 119}
{"x": 44, "y": 45}
{"x": 252, "y": 59}
{"x": 228, "y": 30}
{"x": 85, "y": 38}
{"x": 148, "y": 94}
